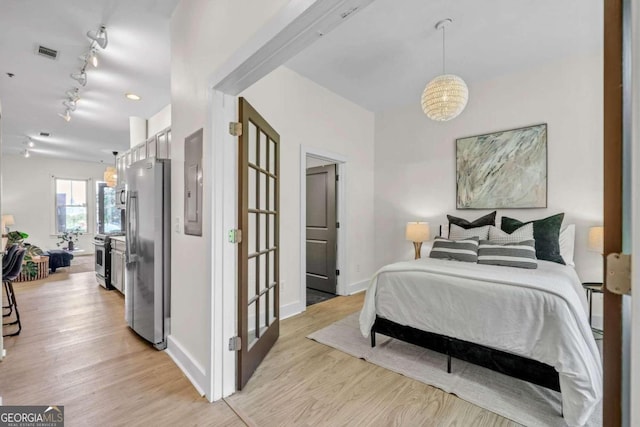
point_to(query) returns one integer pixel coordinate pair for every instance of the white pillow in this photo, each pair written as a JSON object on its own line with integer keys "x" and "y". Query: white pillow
{"x": 519, "y": 235}
{"x": 567, "y": 243}
{"x": 458, "y": 233}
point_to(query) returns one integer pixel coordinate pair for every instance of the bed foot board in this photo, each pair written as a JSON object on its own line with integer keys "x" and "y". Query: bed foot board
{"x": 505, "y": 363}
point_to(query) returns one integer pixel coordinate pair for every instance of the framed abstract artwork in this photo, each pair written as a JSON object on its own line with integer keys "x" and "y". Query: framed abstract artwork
{"x": 502, "y": 170}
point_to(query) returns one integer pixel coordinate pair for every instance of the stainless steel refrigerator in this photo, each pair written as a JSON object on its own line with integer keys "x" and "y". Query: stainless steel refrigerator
{"x": 147, "y": 289}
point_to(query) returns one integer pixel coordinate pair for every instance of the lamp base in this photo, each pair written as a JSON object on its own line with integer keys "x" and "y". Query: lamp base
{"x": 417, "y": 246}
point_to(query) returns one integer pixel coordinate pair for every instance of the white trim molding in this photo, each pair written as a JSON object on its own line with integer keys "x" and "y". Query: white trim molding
{"x": 297, "y": 25}
{"x": 191, "y": 369}
{"x": 356, "y": 287}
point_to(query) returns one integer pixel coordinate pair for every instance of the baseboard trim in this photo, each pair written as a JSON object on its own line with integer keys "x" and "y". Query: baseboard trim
{"x": 354, "y": 288}
{"x": 291, "y": 309}
{"x": 191, "y": 369}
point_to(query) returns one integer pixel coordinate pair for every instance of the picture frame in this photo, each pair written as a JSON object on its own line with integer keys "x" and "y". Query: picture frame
{"x": 503, "y": 170}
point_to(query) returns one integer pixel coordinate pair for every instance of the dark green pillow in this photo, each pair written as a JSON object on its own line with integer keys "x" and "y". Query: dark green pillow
{"x": 546, "y": 233}
{"x": 488, "y": 219}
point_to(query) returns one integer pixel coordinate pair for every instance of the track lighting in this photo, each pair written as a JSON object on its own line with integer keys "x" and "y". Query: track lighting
{"x": 71, "y": 105}
{"x": 26, "y": 153}
{"x": 29, "y": 143}
{"x": 66, "y": 116}
{"x": 100, "y": 37}
{"x": 80, "y": 77}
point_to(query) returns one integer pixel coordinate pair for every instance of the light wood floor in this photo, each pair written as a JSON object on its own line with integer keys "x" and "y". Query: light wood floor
{"x": 76, "y": 350}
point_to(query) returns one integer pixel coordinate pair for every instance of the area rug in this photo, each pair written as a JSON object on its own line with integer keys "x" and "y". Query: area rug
{"x": 517, "y": 400}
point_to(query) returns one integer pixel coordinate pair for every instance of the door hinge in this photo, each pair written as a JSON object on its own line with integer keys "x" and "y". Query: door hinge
{"x": 337, "y": 225}
{"x": 618, "y": 280}
{"x": 235, "y": 128}
{"x": 235, "y": 344}
{"x": 337, "y": 272}
{"x": 235, "y": 236}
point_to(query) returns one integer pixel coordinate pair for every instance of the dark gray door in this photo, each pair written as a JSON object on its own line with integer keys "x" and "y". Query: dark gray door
{"x": 321, "y": 228}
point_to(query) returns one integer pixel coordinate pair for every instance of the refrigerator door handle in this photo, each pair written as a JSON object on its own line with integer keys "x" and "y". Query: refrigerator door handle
{"x": 132, "y": 226}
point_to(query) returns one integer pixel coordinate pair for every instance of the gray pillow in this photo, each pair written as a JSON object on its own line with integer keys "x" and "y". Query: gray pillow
{"x": 520, "y": 254}
{"x": 457, "y": 250}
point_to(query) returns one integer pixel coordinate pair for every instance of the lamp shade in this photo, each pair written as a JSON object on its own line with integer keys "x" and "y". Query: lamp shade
{"x": 445, "y": 97}
{"x": 596, "y": 239}
{"x": 7, "y": 220}
{"x": 110, "y": 176}
{"x": 417, "y": 231}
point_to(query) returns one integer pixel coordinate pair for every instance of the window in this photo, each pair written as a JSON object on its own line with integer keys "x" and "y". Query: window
{"x": 109, "y": 218}
{"x": 71, "y": 205}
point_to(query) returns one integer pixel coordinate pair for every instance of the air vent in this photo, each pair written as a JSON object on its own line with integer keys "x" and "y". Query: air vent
{"x": 45, "y": 134}
{"x": 47, "y": 52}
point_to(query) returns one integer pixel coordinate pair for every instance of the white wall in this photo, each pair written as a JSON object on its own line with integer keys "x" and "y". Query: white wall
{"x": 137, "y": 130}
{"x": 159, "y": 121}
{"x": 415, "y": 157}
{"x": 28, "y": 194}
{"x": 304, "y": 113}
{"x": 203, "y": 35}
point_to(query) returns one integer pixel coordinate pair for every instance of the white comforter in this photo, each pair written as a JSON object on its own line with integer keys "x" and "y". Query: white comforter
{"x": 540, "y": 314}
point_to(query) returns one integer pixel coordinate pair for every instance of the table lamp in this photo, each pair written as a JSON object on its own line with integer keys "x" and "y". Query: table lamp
{"x": 417, "y": 232}
{"x": 7, "y": 220}
{"x": 596, "y": 239}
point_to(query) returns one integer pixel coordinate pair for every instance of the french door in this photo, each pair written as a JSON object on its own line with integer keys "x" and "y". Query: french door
{"x": 259, "y": 250}
{"x": 618, "y": 220}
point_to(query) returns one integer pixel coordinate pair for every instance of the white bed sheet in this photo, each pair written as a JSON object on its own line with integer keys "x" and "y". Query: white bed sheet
{"x": 540, "y": 314}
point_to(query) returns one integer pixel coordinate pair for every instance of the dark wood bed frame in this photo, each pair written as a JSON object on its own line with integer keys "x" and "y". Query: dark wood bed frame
{"x": 509, "y": 364}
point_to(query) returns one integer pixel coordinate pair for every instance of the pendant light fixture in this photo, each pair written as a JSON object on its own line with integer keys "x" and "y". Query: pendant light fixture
{"x": 446, "y": 96}
{"x": 111, "y": 173}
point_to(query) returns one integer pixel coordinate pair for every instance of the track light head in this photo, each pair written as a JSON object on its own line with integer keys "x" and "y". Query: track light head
{"x": 93, "y": 58}
{"x": 73, "y": 94}
{"x": 26, "y": 154}
{"x": 80, "y": 77}
{"x": 100, "y": 37}
{"x": 66, "y": 116}
{"x": 90, "y": 57}
{"x": 29, "y": 143}
{"x": 71, "y": 105}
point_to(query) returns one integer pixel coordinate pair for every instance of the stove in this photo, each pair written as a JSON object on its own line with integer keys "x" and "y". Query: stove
{"x": 102, "y": 244}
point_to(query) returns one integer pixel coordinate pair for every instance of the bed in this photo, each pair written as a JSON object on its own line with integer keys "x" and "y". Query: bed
{"x": 539, "y": 316}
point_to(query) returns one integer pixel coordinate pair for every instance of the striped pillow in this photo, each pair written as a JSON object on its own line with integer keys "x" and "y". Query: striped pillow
{"x": 458, "y": 233}
{"x": 456, "y": 250}
{"x": 519, "y": 235}
{"x": 520, "y": 254}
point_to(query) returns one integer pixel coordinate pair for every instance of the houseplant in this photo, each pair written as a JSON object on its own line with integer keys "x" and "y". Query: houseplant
{"x": 68, "y": 239}
{"x": 32, "y": 251}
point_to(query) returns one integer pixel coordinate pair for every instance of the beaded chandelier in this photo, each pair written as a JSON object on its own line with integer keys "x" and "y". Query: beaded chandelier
{"x": 446, "y": 96}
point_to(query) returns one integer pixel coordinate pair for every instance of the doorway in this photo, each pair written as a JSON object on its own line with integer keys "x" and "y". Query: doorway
{"x": 321, "y": 230}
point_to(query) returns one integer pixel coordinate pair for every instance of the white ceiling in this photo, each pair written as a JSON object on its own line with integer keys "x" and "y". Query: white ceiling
{"x": 385, "y": 54}
{"x": 137, "y": 59}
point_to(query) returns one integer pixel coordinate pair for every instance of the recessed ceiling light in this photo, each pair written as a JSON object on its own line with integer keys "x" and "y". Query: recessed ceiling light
{"x": 132, "y": 96}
